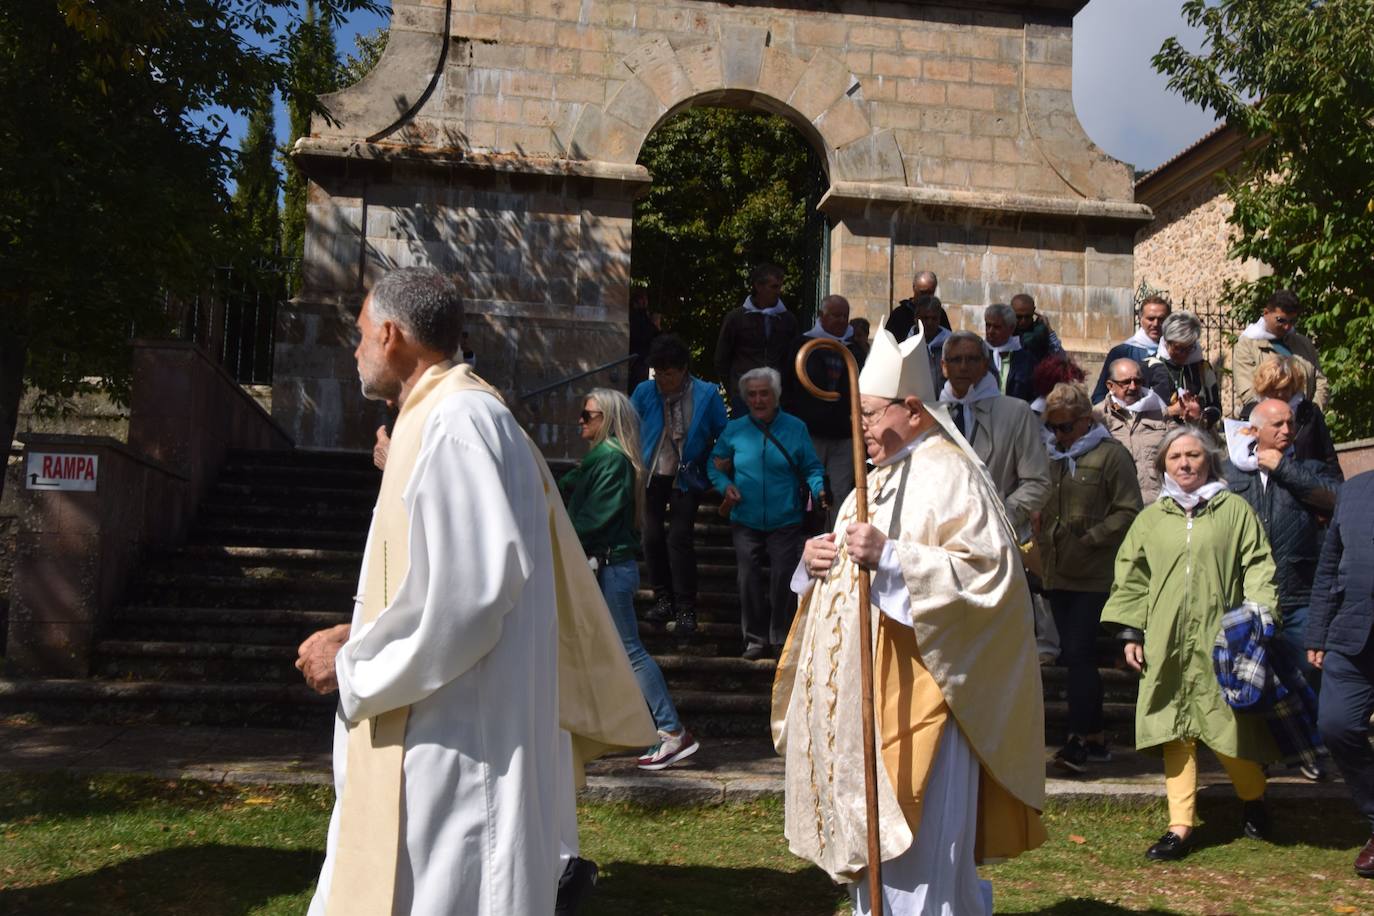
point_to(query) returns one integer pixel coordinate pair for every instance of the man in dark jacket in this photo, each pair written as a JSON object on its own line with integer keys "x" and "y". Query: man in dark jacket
{"x": 1011, "y": 365}
{"x": 905, "y": 314}
{"x": 827, "y": 422}
{"x": 1340, "y": 641}
{"x": 755, "y": 334}
{"x": 1292, "y": 498}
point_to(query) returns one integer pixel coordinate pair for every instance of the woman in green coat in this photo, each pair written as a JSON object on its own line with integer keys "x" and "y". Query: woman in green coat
{"x": 603, "y": 498}
{"x": 1194, "y": 554}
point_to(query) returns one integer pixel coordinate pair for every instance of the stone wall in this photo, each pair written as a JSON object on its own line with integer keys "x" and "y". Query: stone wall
{"x": 497, "y": 140}
{"x": 1184, "y": 251}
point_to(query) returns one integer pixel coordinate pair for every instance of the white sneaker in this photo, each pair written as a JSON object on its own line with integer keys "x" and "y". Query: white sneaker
{"x": 669, "y": 750}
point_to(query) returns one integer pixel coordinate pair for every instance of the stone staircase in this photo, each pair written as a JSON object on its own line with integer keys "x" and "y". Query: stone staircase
{"x": 207, "y": 635}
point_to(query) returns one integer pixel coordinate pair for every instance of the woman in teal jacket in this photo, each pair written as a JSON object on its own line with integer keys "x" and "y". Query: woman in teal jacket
{"x": 1194, "y": 554}
{"x": 770, "y": 455}
{"x": 603, "y": 498}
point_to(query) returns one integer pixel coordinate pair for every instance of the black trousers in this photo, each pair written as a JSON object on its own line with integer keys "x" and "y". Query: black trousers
{"x": 671, "y": 557}
{"x": 1078, "y": 615}
{"x": 766, "y": 607}
{"x": 1344, "y": 706}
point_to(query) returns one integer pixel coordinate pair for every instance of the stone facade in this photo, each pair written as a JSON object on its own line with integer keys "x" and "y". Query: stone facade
{"x": 497, "y": 140}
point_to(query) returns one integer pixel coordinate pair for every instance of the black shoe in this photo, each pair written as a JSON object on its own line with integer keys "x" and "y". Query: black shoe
{"x": 661, "y": 612}
{"x": 1254, "y": 819}
{"x": 684, "y": 623}
{"x": 1098, "y": 752}
{"x": 579, "y": 877}
{"x": 1072, "y": 757}
{"x": 1169, "y": 848}
{"x": 1313, "y": 772}
{"x": 754, "y": 653}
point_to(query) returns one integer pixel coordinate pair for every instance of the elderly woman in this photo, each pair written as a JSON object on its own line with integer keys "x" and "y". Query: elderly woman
{"x": 1094, "y": 497}
{"x": 776, "y": 471}
{"x": 1180, "y": 376}
{"x": 1285, "y": 378}
{"x": 1194, "y": 554}
{"x": 604, "y": 498}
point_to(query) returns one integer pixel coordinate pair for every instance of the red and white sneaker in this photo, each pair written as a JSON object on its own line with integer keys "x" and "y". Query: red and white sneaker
{"x": 670, "y": 749}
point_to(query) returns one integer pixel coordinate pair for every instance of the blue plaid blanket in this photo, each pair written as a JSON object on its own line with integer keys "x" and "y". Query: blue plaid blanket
{"x": 1259, "y": 675}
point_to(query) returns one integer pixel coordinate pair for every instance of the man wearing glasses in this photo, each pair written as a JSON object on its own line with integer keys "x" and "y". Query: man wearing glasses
{"x": 1135, "y": 416}
{"x": 1273, "y": 334}
{"x": 1141, "y": 345}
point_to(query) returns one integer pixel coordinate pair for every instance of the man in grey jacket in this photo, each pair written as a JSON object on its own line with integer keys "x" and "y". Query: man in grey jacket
{"x": 1134, "y": 415}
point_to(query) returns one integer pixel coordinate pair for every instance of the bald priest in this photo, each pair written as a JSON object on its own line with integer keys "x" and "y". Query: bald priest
{"x": 957, "y": 693}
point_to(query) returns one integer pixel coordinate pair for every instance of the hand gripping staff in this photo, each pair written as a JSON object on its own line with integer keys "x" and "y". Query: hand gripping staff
{"x": 875, "y": 879}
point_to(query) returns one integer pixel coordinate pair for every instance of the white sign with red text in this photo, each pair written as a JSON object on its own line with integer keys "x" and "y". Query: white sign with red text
{"x": 55, "y": 471}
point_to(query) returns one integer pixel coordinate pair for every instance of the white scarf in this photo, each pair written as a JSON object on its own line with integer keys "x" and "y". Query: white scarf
{"x": 1089, "y": 441}
{"x": 1258, "y": 331}
{"x": 1011, "y": 346}
{"x": 1240, "y": 444}
{"x": 1142, "y": 340}
{"x": 986, "y": 388}
{"x": 1151, "y": 402}
{"x": 777, "y": 308}
{"x": 1188, "y": 501}
{"x": 819, "y": 332}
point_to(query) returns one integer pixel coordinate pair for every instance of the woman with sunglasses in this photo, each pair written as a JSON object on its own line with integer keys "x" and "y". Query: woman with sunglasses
{"x": 1094, "y": 498}
{"x": 603, "y": 495}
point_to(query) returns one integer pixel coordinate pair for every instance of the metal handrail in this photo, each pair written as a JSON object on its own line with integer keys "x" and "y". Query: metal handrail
{"x": 581, "y": 375}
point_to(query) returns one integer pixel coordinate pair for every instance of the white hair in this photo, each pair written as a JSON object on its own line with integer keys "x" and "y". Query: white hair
{"x": 771, "y": 376}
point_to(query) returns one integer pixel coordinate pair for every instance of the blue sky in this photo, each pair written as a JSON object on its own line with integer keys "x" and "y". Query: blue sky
{"x": 1122, "y": 103}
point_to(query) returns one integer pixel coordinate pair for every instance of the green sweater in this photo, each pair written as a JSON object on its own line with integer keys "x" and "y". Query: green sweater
{"x": 600, "y": 496}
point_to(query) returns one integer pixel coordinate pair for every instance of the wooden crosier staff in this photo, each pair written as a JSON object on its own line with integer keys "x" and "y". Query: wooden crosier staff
{"x": 875, "y": 877}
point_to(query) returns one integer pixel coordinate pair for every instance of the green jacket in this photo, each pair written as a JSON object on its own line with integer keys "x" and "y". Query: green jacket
{"x": 1086, "y": 518}
{"x": 600, "y": 496}
{"x": 1175, "y": 577}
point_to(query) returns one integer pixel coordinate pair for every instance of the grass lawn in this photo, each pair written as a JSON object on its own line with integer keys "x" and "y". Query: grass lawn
{"x": 131, "y": 845}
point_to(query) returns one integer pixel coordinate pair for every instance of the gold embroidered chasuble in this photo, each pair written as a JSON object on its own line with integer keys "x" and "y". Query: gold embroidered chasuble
{"x": 969, "y": 656}
{"x": 599, "y": 699}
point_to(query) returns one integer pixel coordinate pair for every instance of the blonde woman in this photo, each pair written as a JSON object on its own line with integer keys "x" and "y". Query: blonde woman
{"x": 603, "y": 498}
{"x": 1285, "y": 379}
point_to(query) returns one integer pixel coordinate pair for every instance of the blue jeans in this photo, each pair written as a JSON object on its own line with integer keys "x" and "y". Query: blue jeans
{"x": 618, "y": 584}
{"x": 1294, "y": 623}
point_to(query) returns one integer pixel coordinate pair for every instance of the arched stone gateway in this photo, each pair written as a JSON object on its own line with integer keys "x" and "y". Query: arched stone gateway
{"x": 498, "y": 139}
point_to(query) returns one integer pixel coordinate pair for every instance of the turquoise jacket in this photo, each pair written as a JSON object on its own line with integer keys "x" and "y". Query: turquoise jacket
{"x": 708, "y": 419}
{"x": 766, "y": 482}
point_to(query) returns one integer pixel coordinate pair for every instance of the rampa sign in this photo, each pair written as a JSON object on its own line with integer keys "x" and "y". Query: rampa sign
{"x": 50, "y": 471}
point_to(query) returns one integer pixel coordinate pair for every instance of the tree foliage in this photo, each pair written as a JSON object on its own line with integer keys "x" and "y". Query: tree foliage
{"x": 1299, "y": 74}
{"x": 730, "y": 189}
{"x": 314, "y": 70}
{"x": 257, "y": 184}
{"x": 368, "y": 48}
{"x": 114, "y": 168}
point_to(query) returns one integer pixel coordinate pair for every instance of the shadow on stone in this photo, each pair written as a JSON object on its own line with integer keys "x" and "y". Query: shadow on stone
{"x": 210, "y": 880}
{"x": 626, "y": 888}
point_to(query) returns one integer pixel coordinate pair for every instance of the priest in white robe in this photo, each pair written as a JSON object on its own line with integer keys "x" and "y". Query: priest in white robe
{"x": 960, "y": 719}
{"x": 452, "y": 775}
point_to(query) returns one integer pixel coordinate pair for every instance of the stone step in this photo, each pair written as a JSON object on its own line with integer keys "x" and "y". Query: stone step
{"x": 295, "y": 495}
{"x": 228, "y": 532}
{"x": 350, "y": 460}
{"x": 304, "y": 475}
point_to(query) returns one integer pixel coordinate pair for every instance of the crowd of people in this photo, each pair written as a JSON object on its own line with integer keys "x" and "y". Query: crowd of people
{"x": 480, "y": 673}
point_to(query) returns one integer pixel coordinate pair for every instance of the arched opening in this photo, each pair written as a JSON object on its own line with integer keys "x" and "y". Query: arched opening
{"x": 731, "y": 188}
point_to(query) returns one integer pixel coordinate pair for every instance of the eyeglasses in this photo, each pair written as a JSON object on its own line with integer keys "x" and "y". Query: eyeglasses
{"x": 963, "y": 360}
{"x": 1126, "y": 382}
{"x": 868, "y": 417}
{"x": 586, "y": 416}
{"x": 1062, "y": 427}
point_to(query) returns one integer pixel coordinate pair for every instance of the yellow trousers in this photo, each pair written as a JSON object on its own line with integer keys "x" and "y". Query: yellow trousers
{"x": 1180, "y": 779}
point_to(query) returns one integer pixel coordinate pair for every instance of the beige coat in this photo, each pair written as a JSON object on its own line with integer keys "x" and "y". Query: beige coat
{"x": 1141, "y": 433}
{"x": 1007, "y": 437}
{"x": 1249, "y": 353}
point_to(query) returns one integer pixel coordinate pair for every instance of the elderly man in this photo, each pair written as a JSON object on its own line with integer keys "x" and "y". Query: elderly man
{"x": 1340, "y": 641}
{"x": 1013, "y": 365}
{"x": 1274, "y": 333}
{"x": 957, "y": 690}
{"x": 902, "y": 322}
{"x": 1003, "y": 431}
{"x": 827, "y": 421}
{"x": 756, "y": 334}
{"x": 1135, "y": 416}
{"x": 1293, "y": 500}
{"x": 1141, "y": 345}
{"x": 446, "y": 805}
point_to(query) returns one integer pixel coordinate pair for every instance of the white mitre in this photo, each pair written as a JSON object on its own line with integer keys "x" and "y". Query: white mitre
{"x": 898, "y": 370}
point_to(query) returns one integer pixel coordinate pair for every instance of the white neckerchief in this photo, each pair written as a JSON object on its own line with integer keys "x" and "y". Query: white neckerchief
{"x": 1189, "y": 501}
{"x": 1240, "y": 444}
{"x": 1142, "y": 340}
{"x": 1258, "y": 331}
{"x": 1038, "y": 405}
{"x": 986, "y": 388}
{"x": 1089, "y": 441}
{"x": 777, "y": 308}
{"x": 1194, "y": 355}
{"x": 937, "y": 341}
{"x": 1149, "y": 403}
{"x": 819, "y": 332}
{"x": 1011, "y": 346}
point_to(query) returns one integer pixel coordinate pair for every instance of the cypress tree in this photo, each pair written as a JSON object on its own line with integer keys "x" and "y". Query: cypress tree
{"x": 257, "y": 183}
{"x": 314, "y": 71}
